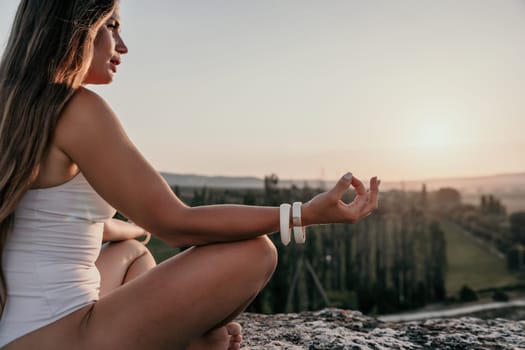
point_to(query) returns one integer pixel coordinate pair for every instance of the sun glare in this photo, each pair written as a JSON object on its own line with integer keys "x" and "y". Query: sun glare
{"x": 434, "y": 133}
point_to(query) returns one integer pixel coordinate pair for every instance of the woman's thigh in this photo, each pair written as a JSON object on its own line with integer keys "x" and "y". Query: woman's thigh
{"x": 175, "y": 302}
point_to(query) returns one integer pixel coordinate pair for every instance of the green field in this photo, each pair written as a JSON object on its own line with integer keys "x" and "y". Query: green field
{"x": 471, "y": 263}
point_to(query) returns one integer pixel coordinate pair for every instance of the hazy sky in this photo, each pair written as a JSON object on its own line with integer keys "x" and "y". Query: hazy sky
{"x": 403, "y": 89}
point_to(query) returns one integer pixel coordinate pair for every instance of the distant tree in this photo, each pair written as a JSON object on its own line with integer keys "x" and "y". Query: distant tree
{"x": 483, "y": 204}
{"x": 270, "y": 189}
{"x": 517, "y": 226}
{"x": 438, "y": 262}
{"x": 446, "y": 199}
{"x": 449, "y": 196}
{"x": 424, "y": 197}
{"x": 249, "y": 198}
{"x": 491, "y": 205}
{"x": 200, "y": 197}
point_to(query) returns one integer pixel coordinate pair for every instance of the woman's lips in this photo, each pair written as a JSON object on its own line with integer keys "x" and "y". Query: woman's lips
{"x": 113, "y": 65}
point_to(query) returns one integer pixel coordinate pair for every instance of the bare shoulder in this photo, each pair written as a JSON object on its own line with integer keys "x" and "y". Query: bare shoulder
{"x": 85, "y": 107}
{"x": 83, "y": 98}
{"x": 91, "y": 135}
{"x": 87, "y": 116}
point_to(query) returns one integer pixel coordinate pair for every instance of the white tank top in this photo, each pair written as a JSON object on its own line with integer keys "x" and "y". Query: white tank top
{"x": 49, "y": 258}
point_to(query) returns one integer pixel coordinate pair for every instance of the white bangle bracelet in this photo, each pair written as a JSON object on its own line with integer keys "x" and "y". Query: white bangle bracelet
{"x": 299, "y": 232}
{"x": 284, "y": 222}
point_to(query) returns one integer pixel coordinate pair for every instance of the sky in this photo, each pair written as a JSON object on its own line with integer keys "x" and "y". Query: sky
{"x": 405, "y": 89}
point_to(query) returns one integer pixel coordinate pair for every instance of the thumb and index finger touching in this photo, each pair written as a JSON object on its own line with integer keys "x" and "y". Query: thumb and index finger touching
{"x": 349, "y": 180}
{"x": 364, "y": 202}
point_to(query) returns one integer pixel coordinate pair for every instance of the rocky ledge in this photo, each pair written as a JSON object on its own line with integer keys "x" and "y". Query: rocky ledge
{"x": 343, "y": 329}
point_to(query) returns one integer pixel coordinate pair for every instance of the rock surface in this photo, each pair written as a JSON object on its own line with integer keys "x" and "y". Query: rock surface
{"x": 343, "y": 329}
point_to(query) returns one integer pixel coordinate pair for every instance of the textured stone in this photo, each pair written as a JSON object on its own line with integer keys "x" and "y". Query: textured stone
{"x": 334, "y": 329}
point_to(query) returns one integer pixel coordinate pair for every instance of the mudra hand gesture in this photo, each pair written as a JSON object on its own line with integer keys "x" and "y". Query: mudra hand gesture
{"x": 328, "y": 207}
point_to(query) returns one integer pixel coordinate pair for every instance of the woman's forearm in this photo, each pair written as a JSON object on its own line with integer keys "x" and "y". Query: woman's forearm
{"x": 185, "y": 226}
{"x": 221, "y": 223}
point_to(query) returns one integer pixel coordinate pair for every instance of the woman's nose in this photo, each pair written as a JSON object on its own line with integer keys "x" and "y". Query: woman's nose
{"x": 121, "y": 46}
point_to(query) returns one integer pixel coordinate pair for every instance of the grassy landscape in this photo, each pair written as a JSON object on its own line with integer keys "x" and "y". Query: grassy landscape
{"x": 469, "y": 262}
{"x": 473, "y": 264}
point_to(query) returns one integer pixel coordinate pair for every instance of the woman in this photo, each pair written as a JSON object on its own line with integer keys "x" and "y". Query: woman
{"x": 58, "y": 143}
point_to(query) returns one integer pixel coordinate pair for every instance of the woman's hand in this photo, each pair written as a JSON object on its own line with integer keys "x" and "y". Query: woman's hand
{"x": 118, "y": 230}
{"x": 327, "y": 207}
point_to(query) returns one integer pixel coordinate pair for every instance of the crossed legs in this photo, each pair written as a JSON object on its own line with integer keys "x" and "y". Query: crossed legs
{"x": 187, "y": 302}
{"x": 121, "y": 262}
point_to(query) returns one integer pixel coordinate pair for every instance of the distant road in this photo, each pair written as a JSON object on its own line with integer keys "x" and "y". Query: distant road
{"x": 459, "y": 311}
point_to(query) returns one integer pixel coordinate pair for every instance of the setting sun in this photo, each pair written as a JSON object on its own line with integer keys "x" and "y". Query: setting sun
{"x": 434, "y": 133}
{"x": 383, "y": 89}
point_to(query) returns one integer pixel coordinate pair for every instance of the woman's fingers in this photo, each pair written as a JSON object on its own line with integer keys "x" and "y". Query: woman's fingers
{"x": 374, "y": 184}
{"x": 360, "y": 188}
{"x": 363, "y": 204}
{"x": 365, "y": 201}
{"x": 361, "y": 201}
{"x": 342, "y": 185}
{"x": 373, "y": 196}
{"x": 374, "y": 189}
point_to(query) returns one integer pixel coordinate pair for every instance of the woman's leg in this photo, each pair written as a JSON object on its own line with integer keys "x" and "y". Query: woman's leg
{"x": 120, "y": 262}
{"x": 183, "y": 299}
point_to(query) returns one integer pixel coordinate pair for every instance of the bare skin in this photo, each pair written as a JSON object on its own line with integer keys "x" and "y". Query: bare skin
{"x": 190, "y": 300}
{"x": 227, "y": 337}
{"x": 169, "y": 307}
{"x": 121, "y": 261}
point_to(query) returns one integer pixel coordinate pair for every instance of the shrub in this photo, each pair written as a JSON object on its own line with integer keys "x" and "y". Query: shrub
{"x": 500, "y": 296}
{"x": 467, "y": 294}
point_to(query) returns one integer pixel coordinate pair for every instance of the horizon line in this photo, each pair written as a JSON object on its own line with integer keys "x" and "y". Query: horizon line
{"x": 383, "y": 180}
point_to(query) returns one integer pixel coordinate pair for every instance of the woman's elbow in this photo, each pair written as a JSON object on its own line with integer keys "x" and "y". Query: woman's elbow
{"x": 168, "y": 225}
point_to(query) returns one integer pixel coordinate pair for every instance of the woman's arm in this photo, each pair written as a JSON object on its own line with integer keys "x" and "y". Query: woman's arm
{"x": 118, "y": 230}
{"x": 91, "y": 135}
{"x": 214, "y": 223}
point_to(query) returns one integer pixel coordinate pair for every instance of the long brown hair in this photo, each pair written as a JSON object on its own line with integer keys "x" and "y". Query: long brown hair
{"x": 47, "y": 55}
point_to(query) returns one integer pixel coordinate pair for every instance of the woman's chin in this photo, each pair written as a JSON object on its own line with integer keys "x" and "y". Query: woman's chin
{"x": 101, "y": 79}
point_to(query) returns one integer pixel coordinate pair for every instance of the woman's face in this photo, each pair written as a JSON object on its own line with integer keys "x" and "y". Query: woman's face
{"x": 107, "y": 49}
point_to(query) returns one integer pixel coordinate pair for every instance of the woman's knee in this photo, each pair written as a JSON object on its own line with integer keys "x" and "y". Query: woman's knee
{"x": 262, "y": 253}
{"x": 131, "y": 248}
{"x": 253, "y": 261}
{"x": 125, "y": 252}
